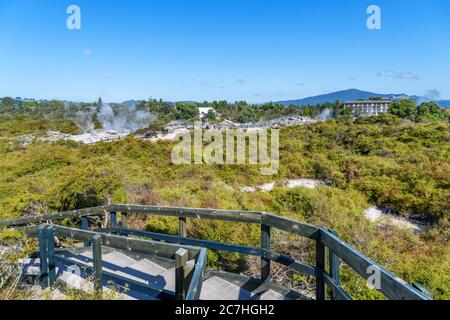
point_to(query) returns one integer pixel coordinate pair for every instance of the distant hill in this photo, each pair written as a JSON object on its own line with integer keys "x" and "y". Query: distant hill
{"x": 130, "y": 103}
{"x": 355, "y": 94}
{"x": 345, "y": 95}
{"x": 444, "y": 104}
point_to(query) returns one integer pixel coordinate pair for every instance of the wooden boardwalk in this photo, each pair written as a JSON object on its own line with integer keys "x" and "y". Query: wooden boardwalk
{"x": 187, "y": 277}
{"x": 71, "y": 273}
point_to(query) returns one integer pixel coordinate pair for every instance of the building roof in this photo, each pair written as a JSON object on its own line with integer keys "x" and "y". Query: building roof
{"x": 368, "y": 101}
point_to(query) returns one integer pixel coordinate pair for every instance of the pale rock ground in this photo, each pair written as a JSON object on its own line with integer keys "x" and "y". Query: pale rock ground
{"x": 378, "y": 216}
{"x": 373, "y": 214}
{"x": 173, "y": 130}
{"x": 88, "y": 137}
{"x": 290, "y": 184}
{"x": 169, "y": 136}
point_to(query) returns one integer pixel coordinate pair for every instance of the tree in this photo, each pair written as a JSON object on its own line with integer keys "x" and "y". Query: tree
{"x": 8, "y": 104}
{"x": 431, "y": 111}
{"x": 8, "y": 101}
{"x": 211, "y": 115}
{"x": 403, "y": 108}
{"x": 186, "y": 111}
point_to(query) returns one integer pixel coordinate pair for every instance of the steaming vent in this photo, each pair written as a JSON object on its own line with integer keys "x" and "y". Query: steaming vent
{"x": 119, "y": 118}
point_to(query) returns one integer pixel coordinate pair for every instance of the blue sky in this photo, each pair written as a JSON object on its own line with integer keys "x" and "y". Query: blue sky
{"x": 255, "y": 50}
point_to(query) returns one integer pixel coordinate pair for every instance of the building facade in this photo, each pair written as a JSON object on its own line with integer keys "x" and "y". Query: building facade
{"x": 369, "y": 107}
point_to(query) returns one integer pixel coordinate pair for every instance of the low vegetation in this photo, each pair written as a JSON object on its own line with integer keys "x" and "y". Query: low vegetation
{"x": 401, "y": 164}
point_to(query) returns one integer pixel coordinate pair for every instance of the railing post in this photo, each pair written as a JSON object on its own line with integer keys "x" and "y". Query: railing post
{"x": 85, "y": 226}
{"x": 320, "y": 265}
{"x": 182, "y": 227}
{"x": 97, "y": 257}
{"x": 43, "y": 255}
{"x": 334, "y": 263}
{"x": 123, "y": 220}
{"x": 113, "y": 219}
{"x": 335, "y": 272}
{"x": 265, "y": 253}
{"x": 51, "y": 255}
{"x": 181, "y": 258}
{"x": 327, "y": 269}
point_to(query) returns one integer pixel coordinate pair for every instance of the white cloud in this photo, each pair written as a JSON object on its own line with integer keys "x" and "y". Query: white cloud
{"x": 385, "y": 73}
{"x": 408, "y": 75}
{"x": 397, "y": 75}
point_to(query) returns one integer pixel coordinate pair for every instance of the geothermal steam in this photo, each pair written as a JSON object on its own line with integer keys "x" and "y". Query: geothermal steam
{"x": 325, "y": 115}
{"x": 124, "y": 118}
{"x": 119, "y": 118}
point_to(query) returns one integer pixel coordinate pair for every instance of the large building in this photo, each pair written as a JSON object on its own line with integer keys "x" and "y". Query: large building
{"x": 368, "y": 107}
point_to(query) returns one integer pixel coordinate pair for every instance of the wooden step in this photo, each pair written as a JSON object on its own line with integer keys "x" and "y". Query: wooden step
{"x": 134, "y": 295}
{"x": 111, "y": 262}
{"x": 144, "y": 271}
{"x": 147, "y": 272}
{"x": 83, "y": 258}
{"x": 76, "y": 282}
{"x": 37, "y": 293}
{"x": 116, "y": 260}
{"x": 271, "y": 295}
{"x": 167, "y": 280}
{"x": 216, "y": 288}
{"x": 147, "y": 266}
{"x": 31, "y": 267}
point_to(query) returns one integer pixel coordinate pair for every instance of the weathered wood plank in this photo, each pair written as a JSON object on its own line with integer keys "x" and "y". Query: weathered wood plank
{"x": 43, "y": 256}
{"x": 123, "y": 220}
{"x": 320, "y": 267}
{"x": 122, "y": 282}
{"x": 182, "y": 231}
{"x": 335, "y": 272}
{"x": 51, "y": 256}
{"x": 195, "y": 213}
{"x": 194, "y": 242}
{"x": 113, "y": 219}
{"x": 85, "y": 226}
{"x": 181, "y": 258}
{"x": 338, "y": 292}
{"x": 290, "y": 225}
{"x": 265, "y": 253}
{"x": 164, "y": 250}
{"x": 391, "y": 286}
{"x": 335, "y": 264}
{"x": 293, "y": 264}
{"x": 328, "y": 292}
{"x": 97, "y": 262}
{"x": 54, "y": 217}
{"x": 195, "y": 288}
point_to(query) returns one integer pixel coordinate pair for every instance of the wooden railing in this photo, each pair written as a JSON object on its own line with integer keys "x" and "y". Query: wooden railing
{"x": 330, "y": 250}
{"x": 190, "y": 261}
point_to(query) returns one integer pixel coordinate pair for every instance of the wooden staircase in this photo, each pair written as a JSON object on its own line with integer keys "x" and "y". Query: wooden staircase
{"x": 145, "y": 265}
{"x": 72, "y": 266}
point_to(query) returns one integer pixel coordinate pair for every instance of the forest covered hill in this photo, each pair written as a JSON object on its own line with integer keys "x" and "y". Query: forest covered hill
{"x": 355, "y": 94}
